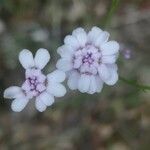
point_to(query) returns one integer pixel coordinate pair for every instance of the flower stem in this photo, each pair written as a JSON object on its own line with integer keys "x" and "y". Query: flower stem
{"x": 135, "y": 84}
{"x": 111, "y": 11}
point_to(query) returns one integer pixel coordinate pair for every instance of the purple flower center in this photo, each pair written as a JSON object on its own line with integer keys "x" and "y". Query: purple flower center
{"x": 35, "y": 83}
{"x": 87, "y": 59}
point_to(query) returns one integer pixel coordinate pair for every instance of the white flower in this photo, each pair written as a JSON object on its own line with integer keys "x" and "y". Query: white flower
{"x": 89, "y": 60}
{"x": 36, "y": 84}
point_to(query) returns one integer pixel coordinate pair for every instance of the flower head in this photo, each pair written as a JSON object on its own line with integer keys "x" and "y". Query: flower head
{"x": 89, "y": 60}
{"x": 36, "y": 85}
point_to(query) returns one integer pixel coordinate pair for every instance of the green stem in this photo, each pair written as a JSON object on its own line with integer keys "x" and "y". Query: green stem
{"x": 111, "y": 12}
{"x": 135, "y": 84}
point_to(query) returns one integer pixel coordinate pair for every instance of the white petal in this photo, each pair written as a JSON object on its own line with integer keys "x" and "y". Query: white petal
{"x": 102, "y": 38}
{"x": 80, "y": 35}
{"x": 72, "y": 41}
{"x": 103, "y": 72}
{"x": 46, "y": 98}
{"x": 65, "y": 51}
{"x": 78, "y": 30}
{"x": 26, "y": 59}
{"x": 93, "y": 85}
{"x": 19, "y": 104}
{"x": 113, "y": 74}
{"x": 12, "y": 92}
{"x": 56, "y": 76}
{"x": 113, "y": 66}
{"x": 99, "y": 84}
{"x": 84, "y": 83}
{"x": 110, "y": 48}
{"x": 64, "y": 64}
{"x": 73, "y": 80}
{"x": 93, "y": 34}
{"x": 56, "y": 89}
{"x": 40, "y": 106}
{"x": 42, "y": 57}
{"x": 109, "y": 59}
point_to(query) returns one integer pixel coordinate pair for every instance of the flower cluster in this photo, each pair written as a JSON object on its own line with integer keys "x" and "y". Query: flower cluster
{"x": 36, "y": 84}
{"x": 88, "y": 60}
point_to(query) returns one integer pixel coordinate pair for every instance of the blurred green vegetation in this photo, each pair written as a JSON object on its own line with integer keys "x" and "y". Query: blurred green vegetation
{"x": 118, "y": 118}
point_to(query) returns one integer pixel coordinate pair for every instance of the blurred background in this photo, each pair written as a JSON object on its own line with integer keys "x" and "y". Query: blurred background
{"x": 118, "y": 118}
